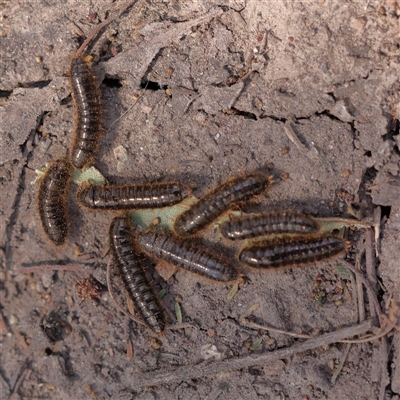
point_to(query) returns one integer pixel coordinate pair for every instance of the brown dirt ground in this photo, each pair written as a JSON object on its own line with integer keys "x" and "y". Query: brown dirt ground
{"x": 306, "y": 90}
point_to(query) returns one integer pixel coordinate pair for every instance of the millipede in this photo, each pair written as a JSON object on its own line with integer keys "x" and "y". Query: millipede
{"x": 250, "y": 226}
{"x": 52, "y": 202}
{"x": 292, "y": 251}
{"x": 123, "y": 197}
{"x": 89, "y": 126}
{"x": 87, "y": 104}
{"x": 127, "y": 259}
{"x": 215, "y": 203}
{"x": 187, "y": 255}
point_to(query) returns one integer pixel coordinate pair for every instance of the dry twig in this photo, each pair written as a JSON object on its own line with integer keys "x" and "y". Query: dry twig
{"x": 310, "y": 152}
{"x": 374, "y": 300}
{"x": 25, "y": 372}
{"x": 100, "y": 26}
{"x": 46, "y": 268}
{"x": 370, "y": 265}
{"x": 342, "y": 361}
{"x": 253, "y": 325}
{"x": 387, "y": 325}
{"x": 359, "y": 285}
{"x": 186, "y": 372}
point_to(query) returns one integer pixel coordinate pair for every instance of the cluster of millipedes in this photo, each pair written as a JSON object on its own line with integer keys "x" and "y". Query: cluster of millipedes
{"x": 300, "y": 244}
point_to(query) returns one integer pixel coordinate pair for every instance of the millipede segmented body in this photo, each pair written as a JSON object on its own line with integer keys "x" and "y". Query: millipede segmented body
{"x": 292, "y": 251}
{"x": 89, "y": 121}
{"x": 132, "y": 196}
{"x": 187, "y": 255}
{"x": 128, "y": 261}
{"x": 52, "y": 201}
{"x": 211, "y": 206}
{"x": 250, "y": 226}
{"x": 87, "y": 99}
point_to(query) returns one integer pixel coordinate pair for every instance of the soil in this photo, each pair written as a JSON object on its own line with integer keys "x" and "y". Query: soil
{"x": 307, "y": 92}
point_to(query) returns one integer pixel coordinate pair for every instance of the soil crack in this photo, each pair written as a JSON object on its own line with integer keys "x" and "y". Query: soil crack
{"x": 26, "y": 155}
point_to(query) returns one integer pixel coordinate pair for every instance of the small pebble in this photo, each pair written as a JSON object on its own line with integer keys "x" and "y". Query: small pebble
{"x": 146, "y": 109}
{"x": 47, "y": 280}
{"x": 358, "y": 23}
{"x": 346, "y": 173}
{"x": 120, "y": 153}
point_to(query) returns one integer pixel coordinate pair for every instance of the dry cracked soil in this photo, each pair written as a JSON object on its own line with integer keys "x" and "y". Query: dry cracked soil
{"x": 306, "y": 91}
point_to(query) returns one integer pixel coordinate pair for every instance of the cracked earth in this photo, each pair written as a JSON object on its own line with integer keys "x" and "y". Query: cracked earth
{"x": 199, "y": 92}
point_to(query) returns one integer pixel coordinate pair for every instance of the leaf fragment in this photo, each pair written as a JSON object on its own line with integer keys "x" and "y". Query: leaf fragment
{"x": 250, "y": 310}
{"x": 161, "y": 293}
{"x": 256, "y": 344}
{"x": 343, "y": 272}
{"x": 178, "y": 312}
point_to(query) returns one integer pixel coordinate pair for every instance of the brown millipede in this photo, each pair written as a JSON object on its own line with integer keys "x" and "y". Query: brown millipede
{"x": 128, "y": 260}
{"x": 52, "y": 203}
{"x": 121, "y": 197}
{"x": 249, "y": 226}
{"x": 292, "y": 251}
{"x": 86, "y": 97}
{"x": 89, "y": 121}
{"x": 188, "y": 255}
{"x": 215, "y": 203}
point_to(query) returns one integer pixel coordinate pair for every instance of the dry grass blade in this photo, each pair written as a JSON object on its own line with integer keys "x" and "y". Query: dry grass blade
{"x": 250, "y": 310}
{"x": 342, "y": 361}
{"x": 374, "y": 299}
{"x": 233, "y": 291}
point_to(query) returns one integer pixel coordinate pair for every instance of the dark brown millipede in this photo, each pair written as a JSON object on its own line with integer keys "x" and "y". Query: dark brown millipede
{"x": 292, "y": 251}
{"x": 86, "y": 96}
{"x": 250, "y": 226}
{"x": 52, "y": 201}
{"x": 189, "y": 255}
{"x": 215, "y": 203}
{"x": 128, "y": 260}
{"x": 88, "y": 111}
{"x": 121, "y": 197}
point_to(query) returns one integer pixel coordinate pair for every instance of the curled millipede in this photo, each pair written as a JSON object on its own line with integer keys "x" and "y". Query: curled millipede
{"x": 292, "y": 251}
{"x": 215, "y": 203}
{"x": 132, "y": 196}
{"x": 52, "y": 201}
{"x": 87, "y": 101}
{"x": 187, "y": 255}
{"x": 128, "y": 261}
{"x": 250, "y": 226}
